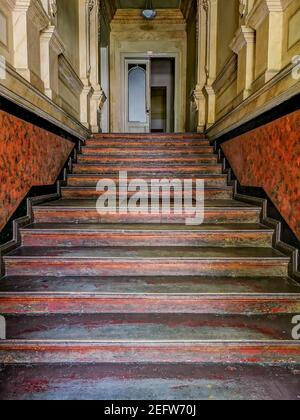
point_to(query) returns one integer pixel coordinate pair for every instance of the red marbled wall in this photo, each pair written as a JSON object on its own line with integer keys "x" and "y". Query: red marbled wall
{"x": 269, "y": 157}
{"x": 29, "y": 156}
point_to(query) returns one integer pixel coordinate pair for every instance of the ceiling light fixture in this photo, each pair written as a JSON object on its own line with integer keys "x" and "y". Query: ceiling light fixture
{"x": 149, "y": 13}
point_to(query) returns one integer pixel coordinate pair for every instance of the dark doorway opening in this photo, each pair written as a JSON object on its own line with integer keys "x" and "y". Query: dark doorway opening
{"x": 162, "y": 95}
{"x": 159, "y": 109}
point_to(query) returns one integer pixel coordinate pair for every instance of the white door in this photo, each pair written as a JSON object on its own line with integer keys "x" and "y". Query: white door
{"x": 137, "y": 96}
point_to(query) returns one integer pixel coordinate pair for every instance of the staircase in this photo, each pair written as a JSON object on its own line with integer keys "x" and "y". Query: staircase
{"x": 141, "y": 306}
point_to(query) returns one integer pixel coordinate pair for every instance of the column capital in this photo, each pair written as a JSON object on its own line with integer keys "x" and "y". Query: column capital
{"x": 243, "y": 36}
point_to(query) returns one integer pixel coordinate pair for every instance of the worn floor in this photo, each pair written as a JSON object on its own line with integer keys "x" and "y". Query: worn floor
{"x": 150, "y": 382}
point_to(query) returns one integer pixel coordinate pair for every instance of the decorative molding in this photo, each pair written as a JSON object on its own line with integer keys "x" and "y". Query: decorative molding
{"x": 243, "y": 7}
{"x": 227, "y": 75}
{"x": 286, "y": 3}
{"x": 133, "y": 16}
{"x": 68, "y": 75}
{"x": 91, "y": 5}
{"x": 71, "y": 125}
{"x": 262, "y": 9}
{"x": 52, "y": 10}
{"x": 55, "y": 41}
{"x": 294, "y": 90}
{"x": 3, "y": 29}
{"x": 37, "y": 15}
{"x": 244, "y": 36}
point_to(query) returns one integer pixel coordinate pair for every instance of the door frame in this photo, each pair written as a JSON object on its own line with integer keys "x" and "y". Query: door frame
{"x": 143, "y": 56}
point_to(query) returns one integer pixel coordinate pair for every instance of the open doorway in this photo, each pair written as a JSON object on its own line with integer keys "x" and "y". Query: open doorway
{"x": 162, "y": 95}
{"x": 150, "y": 95}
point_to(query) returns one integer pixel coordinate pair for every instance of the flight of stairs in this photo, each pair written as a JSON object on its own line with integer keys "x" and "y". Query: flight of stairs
{"x": 91, "y": 299}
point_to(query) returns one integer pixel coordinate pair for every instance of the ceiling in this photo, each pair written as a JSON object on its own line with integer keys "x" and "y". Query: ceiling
{"x": 141, "y": 4}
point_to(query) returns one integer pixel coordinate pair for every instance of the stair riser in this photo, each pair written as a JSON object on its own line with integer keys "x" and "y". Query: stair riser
{"x": 84, "y": 239}
{"x": 193, "y": 171}
{"x": 139, "y": 160}
{"x": 91, "y": 267}
{"x": 225, "y": 353}
{"x": 92, "y": 180}
{"x": 146, "y": 152}
{"x": 92, "y": 216}
{"x": 124, "y": 304}
{"x": 93, "y": 194}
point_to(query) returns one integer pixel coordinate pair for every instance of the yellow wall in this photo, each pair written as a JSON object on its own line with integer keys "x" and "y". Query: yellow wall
{"x": 68, "y": 28}
{"x": 265, "y": 60}
{"x": 228, "y": 22}
{"x": 131, "y": 35}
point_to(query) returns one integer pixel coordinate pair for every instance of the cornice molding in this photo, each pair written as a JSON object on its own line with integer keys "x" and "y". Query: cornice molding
{"x": 38, "y": 15}
{"x": 164, "y": 16}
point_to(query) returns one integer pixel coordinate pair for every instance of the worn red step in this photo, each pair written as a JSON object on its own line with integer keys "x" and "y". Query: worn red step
{"x": 169, "y": 381}
{"x": 91, "y": 193}
{"x": 55, "y": 303}
{"x": 211, "y": 181}
{"x": 139, "y": 295}
{"x": 144, "y": 151}
{"x": 140, "y": 170}
{"x": 85, "y": 211}
{"x": 138, "y": 160}
{"x": 69, "y": 235}
{"x": 147, "y": 327}
{"x": 141, "y": 136}
{"x": 57, "y": 352}
{"x": 157, "y": 286}
{"x": 160, "y": 261}
{"x": 150, "y": 144}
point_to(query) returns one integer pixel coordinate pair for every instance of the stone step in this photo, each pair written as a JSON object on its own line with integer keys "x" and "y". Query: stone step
{"x": 211, "y": 181}
{"x": 149, "y": 144}
{"x": 92, "y": 235}
{"x": 139, "y": 170}
{"x": 154, "y": 261}
{"x": 273, "y": 352}
{"x": 85, "y": 211}
{"x": 150, "y": 327}
{"x": 154, "y": 295}
{"x": 221, "y": 193}
{"x": 143, "y": 151}
{"x": 147, "y": 136}
{"x": 138, "y": 160}
{"x": 115, "y": 382}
